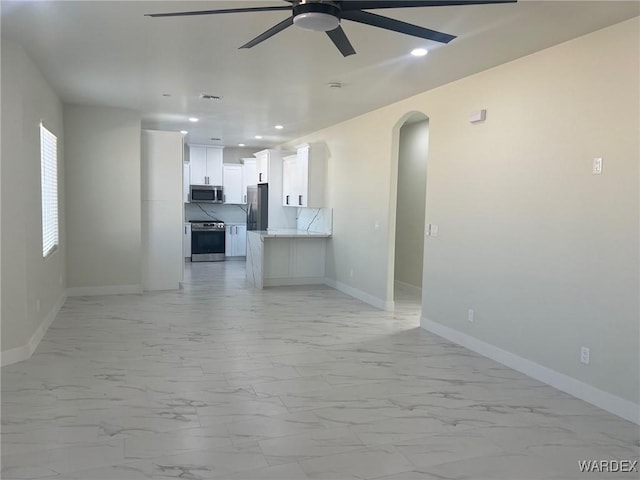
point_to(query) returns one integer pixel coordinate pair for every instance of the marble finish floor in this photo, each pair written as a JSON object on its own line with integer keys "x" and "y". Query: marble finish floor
{"x": 221, "y": 381}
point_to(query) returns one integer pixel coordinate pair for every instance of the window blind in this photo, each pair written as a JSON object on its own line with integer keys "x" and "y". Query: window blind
{"x": 49, "y": 187}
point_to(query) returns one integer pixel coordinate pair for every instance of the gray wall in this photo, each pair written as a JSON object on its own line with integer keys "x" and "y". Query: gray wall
{"x": 410, "y": 209}
{"x": 26, "y": 277}
{"x": 545, "y": 252}
{"x": 103, "y": 199}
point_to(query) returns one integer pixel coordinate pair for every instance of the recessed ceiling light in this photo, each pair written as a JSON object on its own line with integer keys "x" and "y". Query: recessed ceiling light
{"x": 184, "y": 132}
{"x": 334, "y": 85}
{"x": 194, "y": 119}
{"x": 279, "y": 127}
{"x": 419, "y": 52}
{"x": 166, "y": 94}
{"x": 241, "y": 144}
{"x": 258, "y": 137}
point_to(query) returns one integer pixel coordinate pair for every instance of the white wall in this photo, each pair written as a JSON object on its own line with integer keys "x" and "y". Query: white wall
{"x": 236, "y": 154}
{"x": 162, "y": 210}
{"x": 27, "y": 278}
{"x": 545, "y": 252}
{"x": 410, "y": 210}
{"x": 103, "y": 200}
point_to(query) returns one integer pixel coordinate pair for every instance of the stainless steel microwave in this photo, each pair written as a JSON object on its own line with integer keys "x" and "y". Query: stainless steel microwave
{"x": 206, "y": 194}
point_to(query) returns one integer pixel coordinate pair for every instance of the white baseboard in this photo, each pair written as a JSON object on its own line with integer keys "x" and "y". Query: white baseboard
{"x": 17, "y": 354}
{"x": 408, "y": 287}
{"x": 291, "y": 281}
{"x": 103, "y": 290}
{"x": 607, "y": 401}
{"x": 360, "y": 295}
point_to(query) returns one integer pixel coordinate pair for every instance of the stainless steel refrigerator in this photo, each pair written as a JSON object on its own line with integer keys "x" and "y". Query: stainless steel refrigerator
{"x": 258, "y": 207}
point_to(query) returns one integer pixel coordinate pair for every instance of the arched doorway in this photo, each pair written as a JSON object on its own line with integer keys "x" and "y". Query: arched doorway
{"x": 411, "y": 143}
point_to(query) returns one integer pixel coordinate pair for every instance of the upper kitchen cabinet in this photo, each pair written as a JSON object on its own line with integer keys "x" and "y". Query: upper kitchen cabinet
{"x": 312, "y": 166}
{"x": 262, "y": 165}
{"x": 206, "y": 165}
{"x": 303, "y": 177}
{"x": 232, "y": 184}
{"x": 249, "y": 176}
{"x": 290, "y": 181}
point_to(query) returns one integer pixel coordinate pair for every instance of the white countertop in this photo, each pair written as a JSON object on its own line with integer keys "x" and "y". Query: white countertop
{"x": 289, "y": 233}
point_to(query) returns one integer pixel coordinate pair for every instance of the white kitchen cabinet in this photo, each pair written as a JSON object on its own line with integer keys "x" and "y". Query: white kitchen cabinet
{"x": 232, "y": 184}
{"x": 311, "y": 170}
{"x": 186, "y": 241}
{"x": 249, "y": 176}
{"x": 262, "y": 165}
{"x": 205, "y": 165}
{"x": 303, "y": 177}
{"x": 235, "y": 240}
{"x": 186, "y": 178}
{"x": 279, "y": 217}
{"x": 290, "y": 181}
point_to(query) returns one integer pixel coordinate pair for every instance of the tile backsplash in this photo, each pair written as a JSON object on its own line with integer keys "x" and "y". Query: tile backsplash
{"x": 308, "y": 219}
{"x": 205, "y": 211}
{"x": 315, "y": 220}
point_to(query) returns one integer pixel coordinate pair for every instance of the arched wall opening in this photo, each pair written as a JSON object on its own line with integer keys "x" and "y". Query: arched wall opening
{"x": 408, "y": 196}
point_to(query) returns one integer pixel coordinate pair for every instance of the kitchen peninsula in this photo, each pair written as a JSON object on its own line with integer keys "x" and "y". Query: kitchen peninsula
{"x": 285, "y": 257}
{"x": 282, "y": 256}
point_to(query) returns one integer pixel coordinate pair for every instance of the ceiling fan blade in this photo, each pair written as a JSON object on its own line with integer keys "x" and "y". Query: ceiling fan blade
{"x": 213, "y": 12}
{"x": 269, "y": 33}
{"x": 349, "y": 5}
{"x": 341, "y": 41}
{"x": 396, "y": 25}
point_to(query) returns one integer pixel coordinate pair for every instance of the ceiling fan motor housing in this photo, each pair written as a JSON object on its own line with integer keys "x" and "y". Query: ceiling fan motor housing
{"x": 320, "y": 17}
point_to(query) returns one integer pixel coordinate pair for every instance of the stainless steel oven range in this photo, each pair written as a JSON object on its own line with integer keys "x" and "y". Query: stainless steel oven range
{"x": 207, "y": 241}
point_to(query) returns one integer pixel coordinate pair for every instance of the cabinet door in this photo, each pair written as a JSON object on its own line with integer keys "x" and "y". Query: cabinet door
{"x": 249, "y": 176}
{"x": 262, "y": 166}
{"x": 232, "y": 184}
{"x": 214, "y": 166}
{"x": 311, "y": 175}
{"x": 198, "y": 165}
{"x": 228, "y": 241}
{"x": 186, "y": 241}
{"x": 186, "y": 178}
{"x": 302, "y": 171}
{"x": 241, "y": 240}
{"x": 289, "y": 181}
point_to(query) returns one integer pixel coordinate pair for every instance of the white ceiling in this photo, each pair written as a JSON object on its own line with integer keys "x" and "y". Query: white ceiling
{"x": 108, "y": 53}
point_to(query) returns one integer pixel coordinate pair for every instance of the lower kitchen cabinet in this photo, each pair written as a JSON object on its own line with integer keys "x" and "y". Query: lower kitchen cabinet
{"x": 235, "y": 240}
{"x": 186, "y": 241}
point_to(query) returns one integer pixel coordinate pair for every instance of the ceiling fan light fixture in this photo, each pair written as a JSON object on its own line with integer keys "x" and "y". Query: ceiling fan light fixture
{"x": 317, "y": 21}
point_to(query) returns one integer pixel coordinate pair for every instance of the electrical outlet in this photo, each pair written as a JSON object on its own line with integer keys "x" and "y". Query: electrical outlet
{"x": 597, "y": 166}
{"x": 584, "y": 355}
{"x": 470, "y": 315}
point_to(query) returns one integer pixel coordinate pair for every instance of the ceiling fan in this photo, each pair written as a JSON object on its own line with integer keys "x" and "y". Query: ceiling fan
{"x": 325, "y": 16}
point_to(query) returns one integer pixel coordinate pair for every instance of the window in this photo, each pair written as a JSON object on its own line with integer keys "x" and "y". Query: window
{"x": 49, "y": 187}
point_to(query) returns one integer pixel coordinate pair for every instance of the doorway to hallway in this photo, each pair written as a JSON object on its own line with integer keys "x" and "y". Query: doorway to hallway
{"x": 413, "y": 146}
